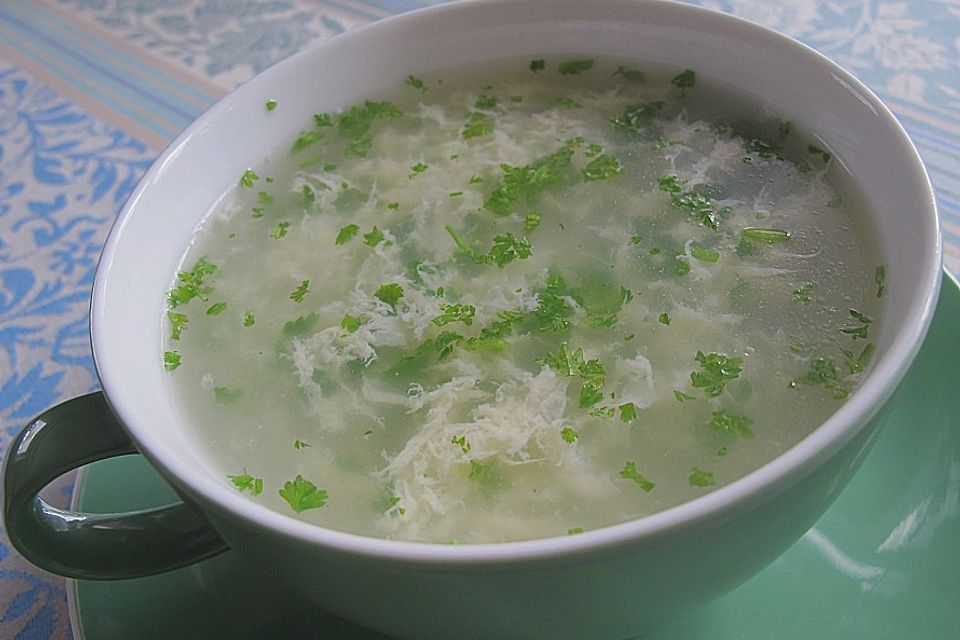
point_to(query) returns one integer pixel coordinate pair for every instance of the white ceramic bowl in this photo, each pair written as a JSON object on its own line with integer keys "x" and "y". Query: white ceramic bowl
{"x": 608, "y": 583}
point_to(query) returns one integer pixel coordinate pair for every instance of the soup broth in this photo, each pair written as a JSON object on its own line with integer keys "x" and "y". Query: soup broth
{"x": 500, "y": 306}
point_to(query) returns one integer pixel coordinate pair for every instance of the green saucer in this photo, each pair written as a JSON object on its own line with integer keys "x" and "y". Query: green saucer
{"x": 882, "y": 564}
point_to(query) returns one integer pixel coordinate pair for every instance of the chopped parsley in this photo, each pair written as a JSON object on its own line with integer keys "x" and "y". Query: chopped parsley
{"x": 192, "y": 284}
{"x": 700, "y": 478}
{"x": 280, "y": 230}
{"x": 630, "y": 74}
{"x": 803, "y": 293}
{"x": 664, "y": 318}
{"x": 703, "y": 254}
{"x": 246, "y": 482}
{"x": 171, "y": 360}
{"x": 716, "y": 370}
{"x": 270, "y": 105}
{"x": 417, "y": 169}
{"x": 389, "y": 293}
{"x": 732, "y": 425}
{"x": 350, "y": 323}
{"x": 178, "y": 322}
{"x": 823, "y": 373}
{"x": 416, "y": 83}
{"x": 455, "y": 313}
{"x": 684, "y": 80}
{"x": 354, "y": 125}
{"x": 300, "y": 444}
{"x": 461, "y": 441}
{"x": 216, "y": 309}
{"x": 537, "y": 65}
{"x": 575, "y": 67}
{"x": 248, "y": 178}
{"x": 346, "y": 234}
{"x": 478, "y": 124}
{"x": 861, "y": 330}
{"x": 300, "y": 292}
{"x": 695, "y": 201}
{"x": 249, "y": 319}
{"x": 630, "y": 472}
{"x": 374, "y": 237}
{"x": 302, "y": 494}
{"x": 857, "y": 364}
{"x": 681, "y": 396}
{"x": 639, "y": 120}
{"x": 522, "y": 185}
{"x": 602, "y": 167}
{"x": 628, "y": 412}
{"x": 569, "y": 434}
{"x": 770, "y": 236}
{"x": 226, "y": 395}
{"x": 880, "y": 277}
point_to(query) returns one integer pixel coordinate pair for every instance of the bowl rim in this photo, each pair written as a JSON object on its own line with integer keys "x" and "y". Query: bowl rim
{"x": 769, "y": 479}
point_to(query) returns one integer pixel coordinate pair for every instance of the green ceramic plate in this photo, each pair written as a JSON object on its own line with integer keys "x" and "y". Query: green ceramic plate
{"x": 882, "y": 564}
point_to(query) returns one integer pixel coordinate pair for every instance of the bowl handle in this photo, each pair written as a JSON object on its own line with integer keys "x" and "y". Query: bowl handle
{"x": 91, "y": 546}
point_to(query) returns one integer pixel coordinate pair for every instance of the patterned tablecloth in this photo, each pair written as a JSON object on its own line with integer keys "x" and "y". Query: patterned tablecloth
{"x": 92, "y": 90}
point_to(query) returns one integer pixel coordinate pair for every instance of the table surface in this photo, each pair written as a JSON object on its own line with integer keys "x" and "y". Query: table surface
{"x": 92, "y": 90}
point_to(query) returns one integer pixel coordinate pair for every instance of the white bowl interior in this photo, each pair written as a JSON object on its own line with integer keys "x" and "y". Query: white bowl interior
{"x": 156, "y": 225}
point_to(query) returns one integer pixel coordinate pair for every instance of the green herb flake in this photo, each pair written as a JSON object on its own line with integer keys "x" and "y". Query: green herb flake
{"x": 860, "y": 331}
{"x": 630, "y": 472}
{"x": 192, "y": 284}
{"x": 302, "y": 494}
{"x": 300, "y": 292}
{"x": 249, "y": 319}
{"x": 300, "y": 444}
{"x": 770, "y": 236}
{"x": 857, "y": 364}
{"x": 306, "y": 139}
{"x": 226, "y": 395}
{"x": 455, "y": 313}
{"x": 572, "y": 531}
{"x": 280, "y": 230}
{"x": 803, "y": 293}
{"x": 569, "y": 435}
{"x": 461, "y": 441}
{"x": 681, "y": 396}
{"x": 684, "y": 80}
{"x": 216, "y": 308}
{"x": 350, "y": 323}
{"x": 246, "y": 482}
{"x": 346, "y": 234}
{"x": 880, "y": 277}
{"x": 416, "y": 83}
{"x": 630, "y": 74}
{"x": 171, "y": 360}
{"x": 817, "y": 151}
{"x": 628, "y": 412}
{"x": 733, "y": 425}
{"x": 374, "y": 237}
{"x": 271, "y": 105}
{"x": 389, "y": 293}
{"x": 417, "y": 169}
{"x": 823, "y": 373}
{"x": 575, "y": 67}
{"x": 531, "y": 221}
{"x": 704, "y": 255}
{"x": 538, "y": 65}
{"x": 601, "y": 168}
{"x": 682, "y": 267}
{"x": 248, "y": 178}
{"x": 639, "y": 120}
{"x": 716, "y": 370}
{"x": 178, "y": 322}
{"x": 700, "y": 478}
{"x": 664, "y": 318}
{"x": 486, "y": 102}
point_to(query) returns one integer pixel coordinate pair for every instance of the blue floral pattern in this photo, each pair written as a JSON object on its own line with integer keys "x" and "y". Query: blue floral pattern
{"x": 64, "y": 173}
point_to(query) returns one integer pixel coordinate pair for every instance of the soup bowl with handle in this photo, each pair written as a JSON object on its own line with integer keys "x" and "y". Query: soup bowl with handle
{"x": 608, "y": 583}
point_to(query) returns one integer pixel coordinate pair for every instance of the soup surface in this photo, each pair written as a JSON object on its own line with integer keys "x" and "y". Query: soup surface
{"x": 490, "y": 310}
